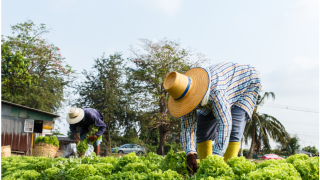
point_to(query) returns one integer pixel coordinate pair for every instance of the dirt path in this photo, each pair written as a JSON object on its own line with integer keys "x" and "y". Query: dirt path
{"x": 256, "y": 160}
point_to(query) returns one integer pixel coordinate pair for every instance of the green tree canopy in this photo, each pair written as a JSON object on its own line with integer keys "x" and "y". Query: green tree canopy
{"x": 153, "y": 61}
{"x": 311, "y": 149}
{"x": 33, "y": 71}
{"x": 292, "y": 145}
{"x": 14, "y": 71}
{"x": 104, "y": 89}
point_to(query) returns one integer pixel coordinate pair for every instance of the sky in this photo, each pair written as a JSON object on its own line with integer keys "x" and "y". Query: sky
{"x": 279, "y": 38}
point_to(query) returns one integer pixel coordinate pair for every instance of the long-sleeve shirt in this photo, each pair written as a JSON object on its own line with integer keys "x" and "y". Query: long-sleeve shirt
{"x": 232, "y": 84}
{"x": 91, "y": 116}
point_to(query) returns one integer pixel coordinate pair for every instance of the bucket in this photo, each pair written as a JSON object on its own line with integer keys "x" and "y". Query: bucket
{"x": 5, "y": 151}
{"x": 45, "y": 150}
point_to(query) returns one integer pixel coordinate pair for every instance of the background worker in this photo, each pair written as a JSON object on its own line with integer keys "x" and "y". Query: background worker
{"x": 84, "y": 118}
{"x": 217, "y": 101}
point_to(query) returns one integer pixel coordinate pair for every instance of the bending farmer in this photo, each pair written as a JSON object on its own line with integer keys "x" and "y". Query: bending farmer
{"x": 84, "y": 118}
{"x": 214, "y": 104}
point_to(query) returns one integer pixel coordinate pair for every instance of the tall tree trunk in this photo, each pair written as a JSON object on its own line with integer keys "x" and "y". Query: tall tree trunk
{"x": 252, "y": 143}
{"x": 163, "y": 137}
{"x": 162, "y": 128}
{"x": 109, "y": 138}
{"x": 259, "y": 143}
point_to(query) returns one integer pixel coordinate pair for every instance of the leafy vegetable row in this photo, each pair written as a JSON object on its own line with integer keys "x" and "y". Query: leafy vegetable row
{"x": 155, "y": 167}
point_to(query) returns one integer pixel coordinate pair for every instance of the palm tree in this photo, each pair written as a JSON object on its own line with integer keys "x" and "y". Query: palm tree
{"x": 312, "y": 149}
{"x": 292, "y": 145}
{"x": 261, "y": 127}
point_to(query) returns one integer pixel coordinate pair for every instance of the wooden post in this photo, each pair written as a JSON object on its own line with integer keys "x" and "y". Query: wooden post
{"x": 32, "y": 145}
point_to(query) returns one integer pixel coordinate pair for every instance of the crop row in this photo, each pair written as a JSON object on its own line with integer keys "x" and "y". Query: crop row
{"x": 155, "y": 167}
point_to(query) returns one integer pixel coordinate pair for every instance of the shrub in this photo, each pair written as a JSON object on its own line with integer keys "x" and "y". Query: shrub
{"x": 52, "y": 173}
{"x": 127, "y": 175}
{"x": 104, "y": 169}
{"x": 267, "y": 163}
{"x": 81, "y": 171}
{"x": 96, "y": 177}
{"x": 214, "y": 166}
{"x": 155, "y": 167}
{"x": 295, "y": 157}
{"x": 308, "y": 169}
{"x": 176, "y": 162}
{"x": 241, "y": 166}
{"x": 172, "y": 175}
{"x": 123, "y": 161}
{"x": 282, "y": 171}
{"x": 136, "y": 167}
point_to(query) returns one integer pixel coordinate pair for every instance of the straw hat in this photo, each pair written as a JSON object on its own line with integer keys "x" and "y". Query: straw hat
{"x": 75, "y": 115}
{"x": 186, "y": 90}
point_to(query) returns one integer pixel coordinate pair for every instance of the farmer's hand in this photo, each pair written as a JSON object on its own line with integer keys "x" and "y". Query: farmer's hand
{"x": 77, "y": 138}
{"x": 192, "y": 164}
{"x": 92, "y": 138}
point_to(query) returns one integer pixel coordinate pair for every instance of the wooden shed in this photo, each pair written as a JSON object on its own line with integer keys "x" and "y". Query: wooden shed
{"x": 20, "y": 125}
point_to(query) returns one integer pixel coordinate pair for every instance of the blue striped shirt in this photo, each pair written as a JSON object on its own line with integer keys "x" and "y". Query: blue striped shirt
{"x": 232, "y": 84}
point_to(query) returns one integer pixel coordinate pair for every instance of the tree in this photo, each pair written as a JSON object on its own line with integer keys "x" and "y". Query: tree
{"x": 57, "y": 132}
{"x": 312, "y": 149}
{"x": 14, "y": 71}
{"x": 104, "y": 89}
{"x": 33, "y": 72}
{"x": 261, "y": 127}
{"x": 70, "y": 135}
{"x": 153, "y": 61}
{"x": 292, "y": 145}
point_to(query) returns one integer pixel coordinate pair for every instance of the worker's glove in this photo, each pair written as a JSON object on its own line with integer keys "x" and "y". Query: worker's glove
{"x": 92, "y": 138}
{"x": 192, "y": 164}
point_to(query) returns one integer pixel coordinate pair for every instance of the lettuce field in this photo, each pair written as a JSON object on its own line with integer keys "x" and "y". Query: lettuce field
{"x": 155, "y": 167}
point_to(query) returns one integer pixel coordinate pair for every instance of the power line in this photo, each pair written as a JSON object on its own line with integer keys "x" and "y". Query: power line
{"x": 301, "y": 129}
{"x": 295, "y": 132}
{"x": 295, "y": 107}
{"x": 304, "y": 128}
{"x": 310, "y": 135}
{"x": 289, "y": 108}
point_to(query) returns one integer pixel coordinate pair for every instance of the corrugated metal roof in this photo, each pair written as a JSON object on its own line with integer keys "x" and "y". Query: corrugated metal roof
{"x": 60, "y": 138}
{"x": 304, "y": 152}
{"x": 25, "y": 107}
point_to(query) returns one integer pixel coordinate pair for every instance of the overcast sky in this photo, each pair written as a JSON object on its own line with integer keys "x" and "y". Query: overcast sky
{"x": 279, "y": 38}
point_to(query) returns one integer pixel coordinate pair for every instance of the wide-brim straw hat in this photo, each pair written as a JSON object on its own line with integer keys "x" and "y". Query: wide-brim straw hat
{"x": 186, "y": 90}
{"x": 74, "y": 115}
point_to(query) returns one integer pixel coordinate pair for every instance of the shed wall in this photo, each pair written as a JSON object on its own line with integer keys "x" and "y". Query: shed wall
{"x": 5, "y": 109}
{"x": 12, "y": 126}
{"x": 12, "y": 133}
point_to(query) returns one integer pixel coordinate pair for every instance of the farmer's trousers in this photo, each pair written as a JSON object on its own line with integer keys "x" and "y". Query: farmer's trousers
{"x": 207, "y": 125}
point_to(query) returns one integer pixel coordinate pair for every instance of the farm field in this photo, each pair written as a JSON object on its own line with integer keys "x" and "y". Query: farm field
{"x": 155, "y": 167}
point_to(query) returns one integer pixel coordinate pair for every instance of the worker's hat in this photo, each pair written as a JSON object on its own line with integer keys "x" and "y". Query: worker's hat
{"x": 75, "y": 115}
{"x": 186, "y": 90}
